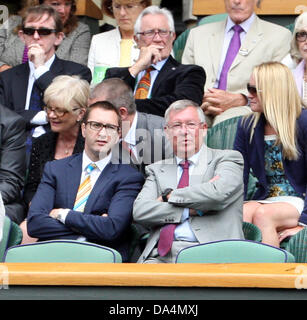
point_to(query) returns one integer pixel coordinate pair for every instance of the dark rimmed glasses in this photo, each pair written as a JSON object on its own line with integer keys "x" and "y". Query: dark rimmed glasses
{"x": 40, "y": 31}
{"x": 98, "y": 126}
{"x": 301, "y": 36}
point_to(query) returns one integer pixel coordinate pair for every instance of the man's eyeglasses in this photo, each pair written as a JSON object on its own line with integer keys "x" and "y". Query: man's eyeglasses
{"x": 150, "y": 34}
{"x": 301, "y": 36}
{"x": 252, "y": 89}
{"x": 58, "y": 112}
{"x": 40, "y": 31}
{"x": 98, "y": 126}
{"x": 176, "y": 126}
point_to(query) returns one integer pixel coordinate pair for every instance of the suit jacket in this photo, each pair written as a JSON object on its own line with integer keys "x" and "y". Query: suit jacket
{"x": 14, "y": 83}
{"x": 151, "y": 143}
{"x": 175, "y": 81}
{"x": 263, "y": 42}
{"x": 74, "y": 47}
{"x": 12, "y": 155}
{"x": 113, "y": 193}
{"x": 221, "y": 200}
{"x": 253, "y": 155}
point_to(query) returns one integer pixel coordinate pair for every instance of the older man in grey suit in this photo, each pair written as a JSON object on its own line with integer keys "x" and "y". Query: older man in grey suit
{"x": 193, "y": 198}
{"x": 142, "y": 134}
{"x": 228, "y": 50}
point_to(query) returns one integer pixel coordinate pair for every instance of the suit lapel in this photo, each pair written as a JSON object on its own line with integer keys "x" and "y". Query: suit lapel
{"x": 73, "y": 176}
{"x": 21, "y": 79}
{"x": 251, "y": 40}
{"x": 169, "y": 67}
{"x": 215, "y": 45}
{"x": 204, "y": 159}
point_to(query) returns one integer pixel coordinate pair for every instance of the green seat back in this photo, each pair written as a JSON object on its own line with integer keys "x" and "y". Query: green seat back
{"x": 297, "y": 245}
{"x": 5, "y": 236}
{"x": 233, "y": 251}
{"x": 251, "y": 232}
{"x": 62, "y": 251}
{"x": 222, "y": 135}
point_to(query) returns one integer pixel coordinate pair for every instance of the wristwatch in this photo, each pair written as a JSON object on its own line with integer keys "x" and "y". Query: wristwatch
{"x": 165, "y": 193}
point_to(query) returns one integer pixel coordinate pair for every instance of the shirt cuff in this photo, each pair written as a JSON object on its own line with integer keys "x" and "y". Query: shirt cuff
{"x": 200, "y": 213}
{"x": 40, "y": 118}
{"x": 64, "y": 213}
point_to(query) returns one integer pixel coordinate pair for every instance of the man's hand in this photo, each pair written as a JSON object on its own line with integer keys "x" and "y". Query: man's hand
{"x": 216, "y": 101}
{"x": 36, "y": 55}
{"x": 148, "y": 55}
{"x": 5, "y": 67}
{"x": 54, "y": 213}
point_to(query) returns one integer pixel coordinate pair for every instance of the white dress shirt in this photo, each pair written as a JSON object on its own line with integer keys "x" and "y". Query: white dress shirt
{"x": 130, "y": 137}
{"x": 183, "y": 231}
{"x": 40, "y": 118}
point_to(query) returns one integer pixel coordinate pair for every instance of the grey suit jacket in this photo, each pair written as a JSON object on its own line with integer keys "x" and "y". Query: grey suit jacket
{"x": 263, "y": 42}
{"x": 74, "y": 47}
{"x": 221, "y": 200}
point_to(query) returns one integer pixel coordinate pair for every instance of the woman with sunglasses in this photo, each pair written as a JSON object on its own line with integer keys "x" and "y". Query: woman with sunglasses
{"x": 273, "y": 143}
{"x": 298, "y": 53}
{"x": 74, "y": 47}
{"x": 116, "y": 48}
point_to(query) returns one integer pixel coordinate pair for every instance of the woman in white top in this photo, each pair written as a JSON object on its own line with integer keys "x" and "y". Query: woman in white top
{"x": 116, "y": 48}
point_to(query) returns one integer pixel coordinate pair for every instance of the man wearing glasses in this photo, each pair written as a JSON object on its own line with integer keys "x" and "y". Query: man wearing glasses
{"x": 193, "y": 198}
{"x": 22, "y": 87}
{"x": 88, "y": 196}
{"x": 156, "y": 78}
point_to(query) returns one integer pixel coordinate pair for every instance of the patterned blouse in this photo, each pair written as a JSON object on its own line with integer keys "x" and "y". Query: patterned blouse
{"x": 278, "y": 184}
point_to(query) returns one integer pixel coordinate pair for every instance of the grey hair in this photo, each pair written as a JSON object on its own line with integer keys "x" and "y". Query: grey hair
{"x": 116, "y": 91}
{"x": 154, "y": 10}
{"x": 180, "y": 105}
{"x": 300, "y": 23}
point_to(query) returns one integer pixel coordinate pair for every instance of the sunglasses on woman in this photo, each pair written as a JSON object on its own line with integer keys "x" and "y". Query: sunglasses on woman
{"x": 251, "y": 89}
{"x": 41, "y": 31}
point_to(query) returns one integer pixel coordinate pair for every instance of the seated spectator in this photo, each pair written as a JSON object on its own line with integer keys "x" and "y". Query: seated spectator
{"x": 273, "y": 144}
{"x": 22, "y": 87}
{"x": 116, "y": 48}
{"x": 86, "y": 196}
{"x": 157, "y": 78}
{"x": 66, "y": 101}
{"x": 193, "y": 198}
{"x": 142, "y": 133}
{"x": 12, "y": 163}
{"x": 75, "y": 44}
{"x": 299, "y": 55}
{"x": 228, "y": 50}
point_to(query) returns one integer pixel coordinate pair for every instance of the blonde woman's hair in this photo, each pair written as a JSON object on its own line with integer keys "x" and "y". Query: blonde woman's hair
{"x": 300, "y": 25}
{"x": 281, "y": 103}
{"x": 67, "y": 92}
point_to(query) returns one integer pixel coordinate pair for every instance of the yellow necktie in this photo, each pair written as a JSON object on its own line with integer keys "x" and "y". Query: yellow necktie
{"x": 84, "y": 190}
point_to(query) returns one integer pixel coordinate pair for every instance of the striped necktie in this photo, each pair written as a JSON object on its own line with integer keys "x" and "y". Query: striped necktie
{"x": 85, "y": 189}
{"x": 167, "y": 232}
{"x": 144, "y": 85}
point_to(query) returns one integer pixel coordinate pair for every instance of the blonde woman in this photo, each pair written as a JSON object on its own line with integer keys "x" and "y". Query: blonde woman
{"x": 273, "y": 143}
{"x": 66, "y": 101}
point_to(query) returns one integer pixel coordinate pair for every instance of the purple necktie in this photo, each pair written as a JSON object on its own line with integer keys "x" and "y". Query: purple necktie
{"x": 232, "y": 51}
{"x": 167, "y": 232}
{"x": 25, "y": 55}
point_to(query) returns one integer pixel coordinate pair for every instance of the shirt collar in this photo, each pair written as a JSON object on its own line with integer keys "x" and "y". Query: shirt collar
{"x": 101, "y": 164}
{"x": 130, "y": 137}
{"x": 192, "y": 159}
{"x": 47, "y": 64}
{"x": 158, "y": 66}
{"x": 245, "y": 24}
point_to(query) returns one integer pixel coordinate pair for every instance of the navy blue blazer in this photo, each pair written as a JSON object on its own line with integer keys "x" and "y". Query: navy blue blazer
{"x": 114, "y": 193}
{"x": 253, "y": 154}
